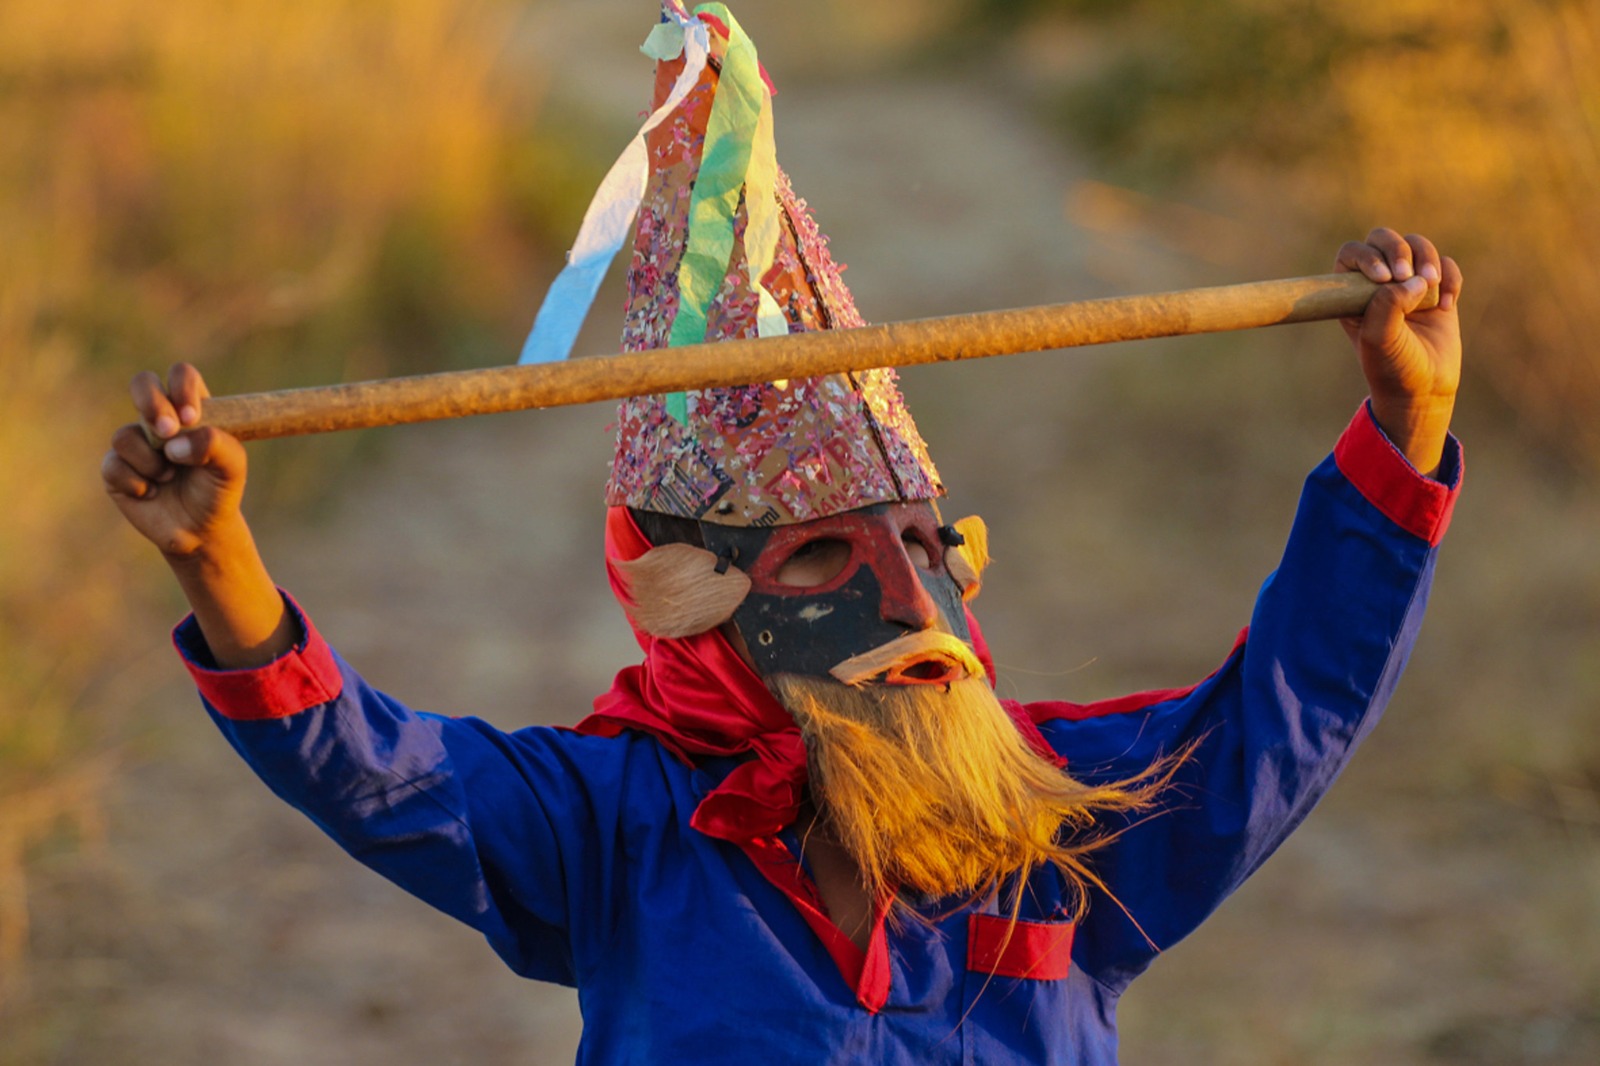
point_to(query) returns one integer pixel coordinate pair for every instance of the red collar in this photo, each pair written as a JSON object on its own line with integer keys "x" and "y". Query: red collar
{"x": 699, "y": 699}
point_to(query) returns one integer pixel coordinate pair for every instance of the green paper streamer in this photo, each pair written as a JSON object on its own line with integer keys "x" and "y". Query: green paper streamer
{"x": 725, "y": 164}
{"x": 665, "y": 42}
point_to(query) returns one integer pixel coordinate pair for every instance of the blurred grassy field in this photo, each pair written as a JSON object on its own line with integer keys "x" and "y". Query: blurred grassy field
{"x": 279, "y": 193}
{"x": 1476, "y": 122}
{"x": 1255, "y": 137}
{"x": 294, "y": 193}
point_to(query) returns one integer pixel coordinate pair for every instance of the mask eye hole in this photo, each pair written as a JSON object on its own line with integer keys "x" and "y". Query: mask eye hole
{"x": 814, "y": 563}
{"x": 917, "y": 551}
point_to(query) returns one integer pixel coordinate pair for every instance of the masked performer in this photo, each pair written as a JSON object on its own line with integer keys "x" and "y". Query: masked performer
{"x": 804, "y": 829}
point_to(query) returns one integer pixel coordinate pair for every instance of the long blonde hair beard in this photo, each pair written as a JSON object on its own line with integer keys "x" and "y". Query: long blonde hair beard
{"x": 934, "y": 789}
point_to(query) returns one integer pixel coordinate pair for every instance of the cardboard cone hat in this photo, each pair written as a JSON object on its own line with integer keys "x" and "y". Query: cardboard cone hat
{"x": 722, "y": 249}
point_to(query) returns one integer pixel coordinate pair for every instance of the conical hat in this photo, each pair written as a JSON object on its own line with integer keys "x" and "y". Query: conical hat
{"x": 758, "y": 455}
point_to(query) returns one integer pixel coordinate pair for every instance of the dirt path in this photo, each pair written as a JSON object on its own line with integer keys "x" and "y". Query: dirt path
{"x": 462, "y": 574}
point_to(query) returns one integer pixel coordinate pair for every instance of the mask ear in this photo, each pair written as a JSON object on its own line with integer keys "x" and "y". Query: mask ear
{"x": 966, "y": 561}
{"x": 676, "y": 591}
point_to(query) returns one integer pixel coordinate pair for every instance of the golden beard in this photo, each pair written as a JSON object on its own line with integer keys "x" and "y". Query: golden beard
{"x": 933, "y": 789}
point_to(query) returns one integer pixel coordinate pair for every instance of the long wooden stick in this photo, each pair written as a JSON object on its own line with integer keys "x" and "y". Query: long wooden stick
{"x": 394, "y": 401}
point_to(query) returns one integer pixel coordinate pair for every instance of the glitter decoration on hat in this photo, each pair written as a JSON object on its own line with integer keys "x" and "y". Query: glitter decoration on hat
{"x": 724, "y": 249}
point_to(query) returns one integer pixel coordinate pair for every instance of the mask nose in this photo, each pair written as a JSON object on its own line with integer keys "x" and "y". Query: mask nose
{"x": 905, "y": 601}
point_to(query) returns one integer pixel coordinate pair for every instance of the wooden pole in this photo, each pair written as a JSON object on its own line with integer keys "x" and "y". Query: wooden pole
{"x": 427, "y": 397}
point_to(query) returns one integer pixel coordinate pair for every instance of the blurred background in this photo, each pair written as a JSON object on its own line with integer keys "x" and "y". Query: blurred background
{"x": 300, "y": 193}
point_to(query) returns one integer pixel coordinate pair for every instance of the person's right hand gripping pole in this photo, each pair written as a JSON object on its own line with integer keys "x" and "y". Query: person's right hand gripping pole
{"x": 180, "y": 485}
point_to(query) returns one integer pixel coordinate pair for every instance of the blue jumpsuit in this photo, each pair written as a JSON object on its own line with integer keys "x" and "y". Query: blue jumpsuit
{"x": 573, "y": 855}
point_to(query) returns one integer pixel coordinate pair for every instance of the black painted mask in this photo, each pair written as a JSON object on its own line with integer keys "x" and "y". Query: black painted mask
{"x": 877, "y": 595}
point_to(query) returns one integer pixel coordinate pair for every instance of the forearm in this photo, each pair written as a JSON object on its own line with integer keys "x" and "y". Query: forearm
{"x": 235, "y": 602}
{"x": 1417, "y": 426}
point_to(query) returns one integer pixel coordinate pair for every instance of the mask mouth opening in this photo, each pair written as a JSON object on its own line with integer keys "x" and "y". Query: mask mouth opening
{"x": 933, "y": 670}
{"x": 928, "y": 657}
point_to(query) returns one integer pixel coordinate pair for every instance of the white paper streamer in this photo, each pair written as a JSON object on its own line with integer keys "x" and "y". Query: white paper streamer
{"x": 611, "y": 212}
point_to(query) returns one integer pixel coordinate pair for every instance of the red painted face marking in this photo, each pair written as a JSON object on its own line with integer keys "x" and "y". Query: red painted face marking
{"x": 905, "y": 600}
{"x": 826, "y": 591}
{"x": 877, "y": 541}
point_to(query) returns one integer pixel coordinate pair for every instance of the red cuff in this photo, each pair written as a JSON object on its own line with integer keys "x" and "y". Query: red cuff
{"x": 303, "y": 677}
{"x": 1420, "y": 505}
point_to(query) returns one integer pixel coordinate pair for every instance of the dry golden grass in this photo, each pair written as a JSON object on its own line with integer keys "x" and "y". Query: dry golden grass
{"x": 1490, "y": 140}
{"x": 270, "y": 190}
{"x": 1476, "y": 122}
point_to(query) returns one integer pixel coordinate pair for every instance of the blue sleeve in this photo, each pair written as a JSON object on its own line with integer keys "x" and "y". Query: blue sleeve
{"x": 1327, "y": 641}
{"x": 515, "y": 834}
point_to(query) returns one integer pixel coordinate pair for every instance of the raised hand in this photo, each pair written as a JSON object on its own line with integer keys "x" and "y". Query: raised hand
{"x": 1411, "y": 357}
{"x": 188, "y": 489}
{"x": 181, "y": 488}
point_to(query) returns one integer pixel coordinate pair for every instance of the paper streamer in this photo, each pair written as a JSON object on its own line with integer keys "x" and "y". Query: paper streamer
{"x": 739, "y": 156}
{"x": 763, "y": 220}
{"x": 611, "y": 212}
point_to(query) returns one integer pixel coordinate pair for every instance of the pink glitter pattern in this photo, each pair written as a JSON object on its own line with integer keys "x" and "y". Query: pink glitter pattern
{"x": 756, "y": 455}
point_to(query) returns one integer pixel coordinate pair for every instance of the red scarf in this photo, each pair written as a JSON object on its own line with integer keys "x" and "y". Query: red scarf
{"x": 699, "y": 699}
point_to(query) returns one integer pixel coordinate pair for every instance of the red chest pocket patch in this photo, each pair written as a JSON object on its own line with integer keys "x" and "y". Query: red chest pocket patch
{"x": 1041, "y": 951}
